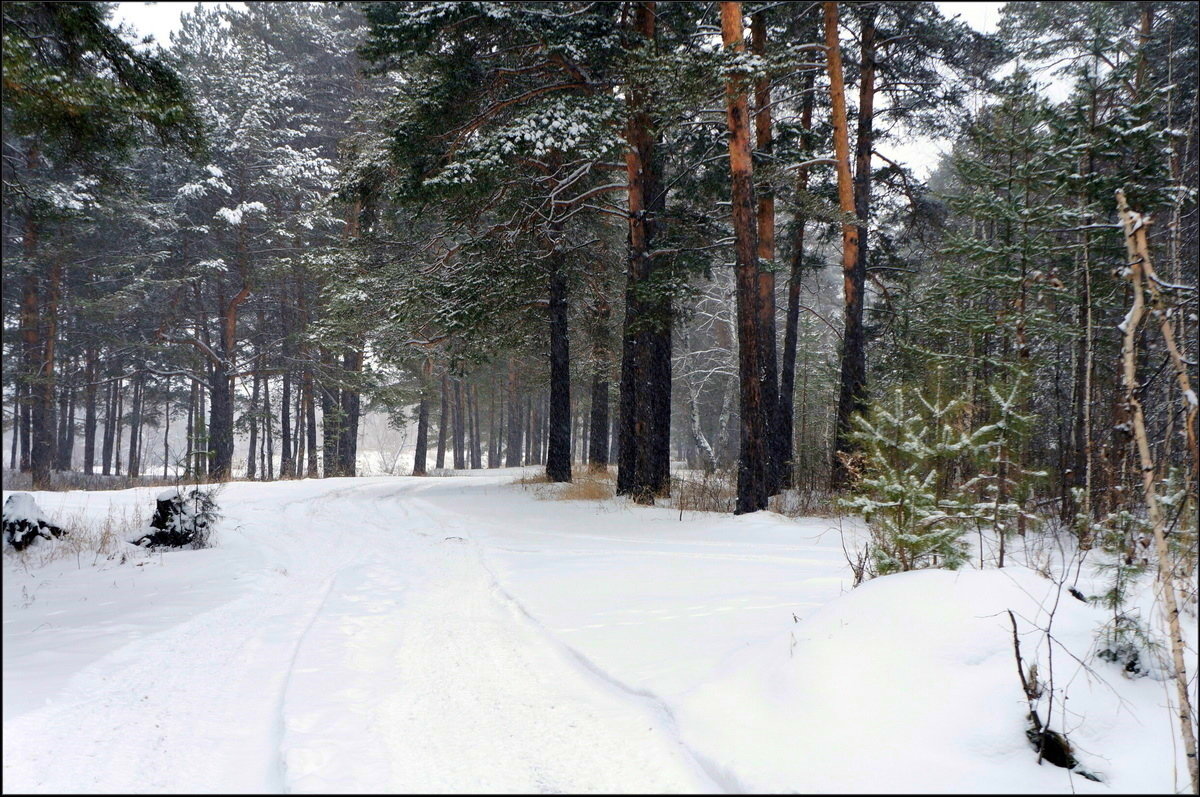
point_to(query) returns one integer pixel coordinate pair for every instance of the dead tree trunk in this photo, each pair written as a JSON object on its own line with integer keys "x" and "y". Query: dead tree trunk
{"x": 1139, "y": 269}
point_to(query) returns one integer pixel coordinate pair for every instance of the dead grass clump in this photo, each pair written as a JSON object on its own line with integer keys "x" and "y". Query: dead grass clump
{"x": 704, "y": 492}
{"x": 537, "y": 477}
{"x": 809, "y": 502}
{"x": 588, "y": 486}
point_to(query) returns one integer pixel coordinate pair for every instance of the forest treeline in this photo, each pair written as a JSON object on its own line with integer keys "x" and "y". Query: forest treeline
{"x": 588, "y": 234}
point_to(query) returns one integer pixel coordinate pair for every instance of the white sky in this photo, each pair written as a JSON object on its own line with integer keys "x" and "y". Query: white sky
{"x": 921, "y": 154}
{"x": 159, "y": 19}
{"x": 156, "y": 19}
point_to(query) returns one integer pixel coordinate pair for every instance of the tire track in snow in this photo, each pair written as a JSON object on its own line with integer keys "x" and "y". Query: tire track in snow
{"x": 456, "y": 690}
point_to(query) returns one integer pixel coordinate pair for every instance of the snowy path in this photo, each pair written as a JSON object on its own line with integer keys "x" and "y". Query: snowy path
{"x": 369, "y": 649}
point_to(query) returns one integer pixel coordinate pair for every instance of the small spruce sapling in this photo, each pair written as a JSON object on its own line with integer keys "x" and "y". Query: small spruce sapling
{"x": 1003, "y": 485}
{"x": 915, "y": 516}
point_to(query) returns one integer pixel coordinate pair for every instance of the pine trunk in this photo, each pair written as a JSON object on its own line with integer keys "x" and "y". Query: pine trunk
{"x": 558, "y": 456}
{"x": 310, "y": 423}
{"x": 89, "y": 410}
{"x": 422, "y": 436}
{"x": 135, "y": 426}
{"x": 350, "y": 403}
{"x": 853, "y": 376}
{"x": 643, "y": 453}
{"x": 476, "y": 437}
{"x": 512, "y": 453}
{"x": 251, "y": 456}
{"x": 286, "y": 467}
{"x": 752, "y": 484}
{"x": 443, "y": 424}
{"x": 119, "y": 423}
{"x": 787, "y": 374}
{"x": 773, "y": 465}
{"x": 460, "y": 460}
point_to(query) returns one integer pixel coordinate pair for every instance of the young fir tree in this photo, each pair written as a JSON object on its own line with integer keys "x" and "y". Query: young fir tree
{"x": 906, "y": 490}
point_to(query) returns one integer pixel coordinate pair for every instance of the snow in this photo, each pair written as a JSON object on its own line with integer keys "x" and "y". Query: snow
{"x": 466, "y": 634}
{"x": 233, "y": 216}
{"x": 22, "y": 506}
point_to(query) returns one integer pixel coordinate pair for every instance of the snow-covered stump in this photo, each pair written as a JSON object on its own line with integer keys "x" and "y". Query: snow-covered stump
{"x": 24, "y": 522}
{"x": 183, "y": 518}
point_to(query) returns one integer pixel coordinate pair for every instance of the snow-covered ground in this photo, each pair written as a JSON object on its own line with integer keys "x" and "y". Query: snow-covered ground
{"x": 466, "y": 634}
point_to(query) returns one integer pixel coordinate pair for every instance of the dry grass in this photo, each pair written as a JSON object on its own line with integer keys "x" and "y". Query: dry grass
{"x": 588, "y": 486}
{"x": 87, "y": 541}
{"x": 696, "y": 491}
{"x": 805, "y": 503}
{"x": 691, "y": 491}
{"x": 703, "y": 492}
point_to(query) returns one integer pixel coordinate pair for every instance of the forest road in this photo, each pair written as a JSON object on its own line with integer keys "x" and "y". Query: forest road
{"x": 368, "y": 650}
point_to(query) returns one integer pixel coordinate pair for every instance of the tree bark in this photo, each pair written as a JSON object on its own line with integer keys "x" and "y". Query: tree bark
{"x": 251, "y": 456}
{"x": 443, "y": 424}
{"x": 853, "y": 375}
{"x": 1139, "y": 269}
{"x": 752, "y": 484}
{"x": 643, "y": 453}
{"x": 310, "y": 423}
{"x": 118, "y": 424}
{"x": 16, "y": 438}
{"x": 512, "y": 453}
{"x": 787, "y": 376}
{"x": 773, "y": 465}
{"x": 598, "y": 434}
{"x": 89, "y": 410}
{"x": 530, "y": 426}
{"x": 422, "y": 436}
{"x": 42, "y": 448}
{"x": 460, "y": 461}
{"x": 200, "y": 450}
{"x": 135, "y": 426}
{"x": 558, "y": 455}
{"x": 110, "y": 408}
{"x": 495, "y": 421}
{"x": 286, "y": 462}
{"x": 476, "y": 436}
{"x": 268, "y": 469}
{"x": 349, "y": 403}
{"x": 166, "y": 427}
{"x": 66, "y": 422}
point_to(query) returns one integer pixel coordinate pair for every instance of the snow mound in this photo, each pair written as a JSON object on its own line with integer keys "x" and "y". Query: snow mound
{"x": 24, "y": 522}
{"x": 909, "y": 684}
